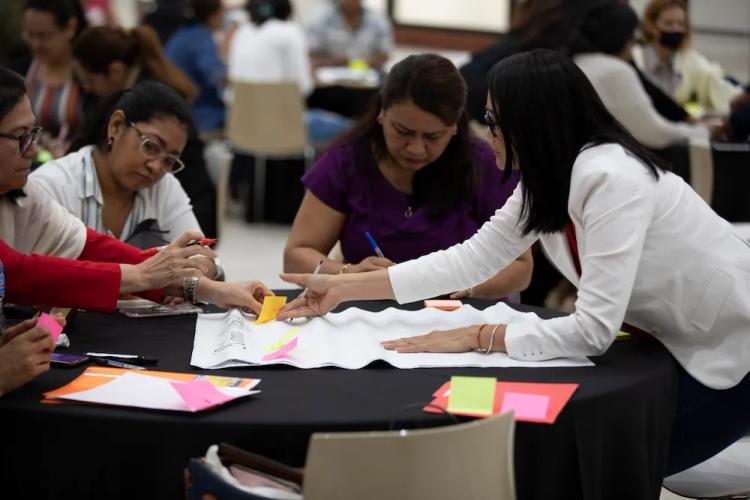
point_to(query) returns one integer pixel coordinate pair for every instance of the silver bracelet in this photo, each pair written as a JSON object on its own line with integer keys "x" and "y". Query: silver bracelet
{"x": 492, "y": 339}
{"x": 189, "y": 284}
{"x": 470, "y": 292}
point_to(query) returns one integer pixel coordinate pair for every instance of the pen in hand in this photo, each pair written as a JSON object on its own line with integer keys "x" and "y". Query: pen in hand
{"x": 150, "y": 252}
{"x": 374, "y": 245}
{"x": 317, "y": 270}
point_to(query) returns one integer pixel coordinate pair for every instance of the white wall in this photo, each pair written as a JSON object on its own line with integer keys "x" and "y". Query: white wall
{"x": 476, "y": 15}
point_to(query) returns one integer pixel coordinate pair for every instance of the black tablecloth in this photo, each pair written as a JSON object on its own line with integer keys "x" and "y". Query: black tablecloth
{"x": 609, "y": 442}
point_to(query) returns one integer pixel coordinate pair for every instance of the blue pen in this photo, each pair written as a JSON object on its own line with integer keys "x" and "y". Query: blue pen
{"x": 374, "y": 245}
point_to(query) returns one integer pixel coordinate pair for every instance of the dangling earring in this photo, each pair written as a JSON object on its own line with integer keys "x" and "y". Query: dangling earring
{"x": 109, "y": 143}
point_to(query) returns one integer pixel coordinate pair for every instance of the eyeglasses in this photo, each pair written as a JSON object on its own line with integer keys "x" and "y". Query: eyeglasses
{"x": 490, "y": 121}
{"x": 153, "y": 150}
{"x": 25, "y": 141}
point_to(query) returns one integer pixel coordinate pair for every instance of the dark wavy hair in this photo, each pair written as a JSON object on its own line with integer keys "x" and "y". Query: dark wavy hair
{"x": 62, "y": 10}
{"x": 145, "y": 101}
{"x": 548, "y": 112}
{"x": 433, "y": 84}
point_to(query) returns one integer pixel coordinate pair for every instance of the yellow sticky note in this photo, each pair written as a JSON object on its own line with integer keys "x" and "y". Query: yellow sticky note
{"x": 272, "y": 304}
{"x": 283, "y": 340}
{"x": 472, "y": 395}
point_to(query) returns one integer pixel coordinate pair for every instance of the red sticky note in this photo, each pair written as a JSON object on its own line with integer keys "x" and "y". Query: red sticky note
{"x": 49, "y": 322}
{"x": 529, "y": 406}
{"x": 558, "y": 394}
{"x": 282, "y": 352}
{"x": 200, "y": 394}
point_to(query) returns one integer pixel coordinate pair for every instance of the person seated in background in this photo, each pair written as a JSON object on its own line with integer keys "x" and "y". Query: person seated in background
{"x": 112, "y": 59}
{"x": 118, "y": 178}
{"x": 193, "y": 49}
{"x": 273, "y": 49}
{"x": 410, "y": 174}
{"x": 737, "y": 127}
{"x": 602, "y": 49}
{"x": 50, "y": 258}
{"x": 50, "y": 27}
{"x": 348, "y": 31}
{"x": 108, "y": 59}
{"x": 681, "y": 71}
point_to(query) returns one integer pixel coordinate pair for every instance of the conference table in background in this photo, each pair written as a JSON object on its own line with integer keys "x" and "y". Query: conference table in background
{"x": 610, "y": 441}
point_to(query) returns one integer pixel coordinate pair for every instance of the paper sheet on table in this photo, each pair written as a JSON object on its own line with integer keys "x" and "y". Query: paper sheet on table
{"x": 143, "y": 391}
{"x": 351, "y": 339}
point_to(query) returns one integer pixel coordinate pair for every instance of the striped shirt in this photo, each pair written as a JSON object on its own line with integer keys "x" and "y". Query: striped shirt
{"x": 57, "y": 108}
{"x": 72, "y": 181}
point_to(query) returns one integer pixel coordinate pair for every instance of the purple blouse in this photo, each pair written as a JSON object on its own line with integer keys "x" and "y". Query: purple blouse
{"x": 348, "y": 180}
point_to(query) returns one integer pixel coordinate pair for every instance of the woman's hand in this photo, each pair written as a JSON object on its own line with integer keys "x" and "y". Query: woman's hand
{"x": 24, "y": 356}
{"x": 247, "y": 295}
{"x": 168, "y": 266}
{"x": 24, "y": 326}
{"x": 369, "y": 264}
{"x": 324, "y": 293}
{"x": 456, "y": 340}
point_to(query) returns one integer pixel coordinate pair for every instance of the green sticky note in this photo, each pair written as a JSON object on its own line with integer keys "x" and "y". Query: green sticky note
{"x": 472, "y": 395}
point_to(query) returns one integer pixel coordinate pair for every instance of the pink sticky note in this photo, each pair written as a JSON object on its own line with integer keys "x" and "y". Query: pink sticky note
{"x": 531, "y": 406}
{"x": 281, "y": 352}
{"x": 49, "y": 322}
{"x": 444, "y": 305}
{"x": 200, "y": 394}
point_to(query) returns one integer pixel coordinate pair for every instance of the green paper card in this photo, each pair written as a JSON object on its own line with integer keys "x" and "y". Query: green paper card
{"x": 472, "y": 395}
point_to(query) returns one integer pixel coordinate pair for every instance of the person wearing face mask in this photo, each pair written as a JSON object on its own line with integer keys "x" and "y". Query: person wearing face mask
{"x": 667, "y": 58}
{"x": 120, "y": 172}
{"x": 408, "y": 173}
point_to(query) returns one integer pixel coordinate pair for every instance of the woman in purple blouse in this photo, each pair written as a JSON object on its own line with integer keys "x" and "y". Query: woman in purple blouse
{"x": 410, "y": 174}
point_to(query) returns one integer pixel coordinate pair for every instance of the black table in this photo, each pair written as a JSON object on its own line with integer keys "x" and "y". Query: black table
{"x": 609, "y": 442}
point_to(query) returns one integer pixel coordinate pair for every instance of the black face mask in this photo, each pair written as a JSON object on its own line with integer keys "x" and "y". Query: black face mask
{"x": 671, "y": 39}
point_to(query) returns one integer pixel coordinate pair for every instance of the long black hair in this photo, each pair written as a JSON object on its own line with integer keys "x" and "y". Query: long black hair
{"x": 548, "y": 112}
{"x": 433, "y": 84}
{"x": 145, "y": 101}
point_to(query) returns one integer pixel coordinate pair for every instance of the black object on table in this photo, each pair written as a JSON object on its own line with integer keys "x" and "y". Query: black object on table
{"x": 610, "y": 442}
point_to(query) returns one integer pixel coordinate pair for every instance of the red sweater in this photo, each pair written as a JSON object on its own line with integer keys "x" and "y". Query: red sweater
{"x": 91, "y": 282}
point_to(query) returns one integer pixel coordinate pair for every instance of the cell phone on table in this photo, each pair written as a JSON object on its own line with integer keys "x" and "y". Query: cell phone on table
{"x": 68, "y": 360}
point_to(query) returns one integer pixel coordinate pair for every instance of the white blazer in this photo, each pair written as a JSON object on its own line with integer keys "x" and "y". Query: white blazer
{"x": 652, "y": 254}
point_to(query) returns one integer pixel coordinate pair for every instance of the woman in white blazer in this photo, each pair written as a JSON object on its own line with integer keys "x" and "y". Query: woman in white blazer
{"x": 650, "y": 251}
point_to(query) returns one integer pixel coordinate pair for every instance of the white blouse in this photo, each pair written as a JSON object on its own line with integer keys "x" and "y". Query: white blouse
{"x": 623, "y": 95}
{"x": 652, "y": 254}
{"x": 72, "y": 181}
{"x": 35, "y": 224}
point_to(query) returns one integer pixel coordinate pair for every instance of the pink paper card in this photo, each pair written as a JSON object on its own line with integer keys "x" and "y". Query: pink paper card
{"x": 49, "y": 322}
{"x": 444, "y": 305}
{"x": 526, "y": 406}
{"x": 200, "y": 394}
{"x": 281, "y": 352}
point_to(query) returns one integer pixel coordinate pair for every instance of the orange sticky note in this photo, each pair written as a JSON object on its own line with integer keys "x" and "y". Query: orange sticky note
{"x": 444, "y": 305}
{"x": 272, "y": 304}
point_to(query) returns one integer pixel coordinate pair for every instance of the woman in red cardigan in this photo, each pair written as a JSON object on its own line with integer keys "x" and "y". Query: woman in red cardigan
{"x": 50, "y": 258}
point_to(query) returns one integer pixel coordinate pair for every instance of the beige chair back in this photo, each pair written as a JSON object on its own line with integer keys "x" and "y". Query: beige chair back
{"x": 267, "y": 119}
{"x": 472, "y": 461}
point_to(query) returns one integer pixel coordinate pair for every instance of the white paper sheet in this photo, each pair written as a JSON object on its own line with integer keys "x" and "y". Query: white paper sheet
{"x": 143, "y": 391}
{"x": 351, "y": 339}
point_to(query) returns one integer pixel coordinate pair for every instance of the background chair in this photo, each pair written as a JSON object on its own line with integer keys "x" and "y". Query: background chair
{"x": 469, "y": 461}
{"x": 727, "y": 475}
{"x": 266, "y": 120}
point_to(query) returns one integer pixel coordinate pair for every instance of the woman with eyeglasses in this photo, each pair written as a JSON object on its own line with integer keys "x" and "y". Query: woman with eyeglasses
{"x": 644, "y": 250}
{"x": 50, "y": 27}
{"x": 119, "y": 175}
{"x": 50, "y": 258}
{"x": 411, "y": 176}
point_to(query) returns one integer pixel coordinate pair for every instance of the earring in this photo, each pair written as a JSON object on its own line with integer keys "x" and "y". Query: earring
{"x": 109, "y": 143}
